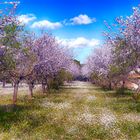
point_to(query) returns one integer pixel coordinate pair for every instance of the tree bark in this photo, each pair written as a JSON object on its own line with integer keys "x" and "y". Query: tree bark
{"x": 43, "y": 88}
{"x": 31, "y": 90}
{"x": 15, "y": 92}
{"x": 110, "y": 85}
{"x": 123, "y": 84}
{"x": 12, "y": 84}
{"x": 3, "y": 84}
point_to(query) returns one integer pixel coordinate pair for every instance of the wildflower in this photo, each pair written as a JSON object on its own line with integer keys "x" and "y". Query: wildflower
{"x": 91, "y": 98}
{"x": 64, "y": 105}
{"x": 107, "y": 119}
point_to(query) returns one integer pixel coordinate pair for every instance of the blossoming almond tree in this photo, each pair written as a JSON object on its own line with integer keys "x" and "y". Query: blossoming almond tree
{"x": 130, "y": 29}
{"x": 17, "y": 58}
{"x": 51, "y": 59}
{"x": 99, "y": 64}
{"x": 124, "y": 38}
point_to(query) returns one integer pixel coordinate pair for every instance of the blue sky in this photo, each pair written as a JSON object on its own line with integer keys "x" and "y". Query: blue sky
{"x": 77, "y": 23}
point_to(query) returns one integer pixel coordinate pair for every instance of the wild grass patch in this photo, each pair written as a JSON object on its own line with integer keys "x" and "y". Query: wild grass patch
{"x": 70, "y": 114}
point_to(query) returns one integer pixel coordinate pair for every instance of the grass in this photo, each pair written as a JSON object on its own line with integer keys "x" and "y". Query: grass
{"x": 82, "y": 112}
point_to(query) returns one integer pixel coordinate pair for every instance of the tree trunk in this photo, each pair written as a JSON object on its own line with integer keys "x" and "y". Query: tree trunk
{"x": 115, "y": 85}
{"x": 3, "y": 84}
{"x": 43, "y": 88}
{"x": 123, "y": 85}
{"x": 110, "y": 86}
{"x": 12, "y": 84}
{"x": 30, "y": 90}
{"x": 15, "y": 92}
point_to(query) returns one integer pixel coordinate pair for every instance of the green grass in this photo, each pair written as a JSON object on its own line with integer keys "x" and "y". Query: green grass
{"x": 83, "y": 113}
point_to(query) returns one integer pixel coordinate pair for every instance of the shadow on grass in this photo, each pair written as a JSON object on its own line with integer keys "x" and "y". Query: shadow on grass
{"x": 15, "y": 115}
{"x": 116, "y": 93}
{"x": 121, "y": 100}
{"x": 11, "y": 114}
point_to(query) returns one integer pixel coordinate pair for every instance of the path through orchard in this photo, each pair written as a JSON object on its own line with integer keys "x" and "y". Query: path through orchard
{"x": 83, "y": 110}
{"x": 78, "y": 111}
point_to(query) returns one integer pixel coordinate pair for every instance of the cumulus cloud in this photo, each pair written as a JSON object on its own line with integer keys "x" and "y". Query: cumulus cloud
{"x": 82, "y": 19}
{"x": 46, "y": 24}
{"x": 79, "y": 42}
{"x": 25, "y": 19}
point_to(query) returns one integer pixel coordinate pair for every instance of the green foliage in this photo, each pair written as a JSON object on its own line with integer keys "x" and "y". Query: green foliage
{"x": 11, "y": 32}
{"x": 11, "y": 44}
{"x": 63, "y": 75}
{"x": 10, "y": 63}
{"x": 77, "y": 62}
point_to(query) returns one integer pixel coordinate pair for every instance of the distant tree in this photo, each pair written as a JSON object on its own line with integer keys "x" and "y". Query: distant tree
{"x": 99, "y": 64}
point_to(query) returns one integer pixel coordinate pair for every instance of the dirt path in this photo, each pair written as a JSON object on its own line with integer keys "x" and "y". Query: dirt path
{"x": 23, "y": 89}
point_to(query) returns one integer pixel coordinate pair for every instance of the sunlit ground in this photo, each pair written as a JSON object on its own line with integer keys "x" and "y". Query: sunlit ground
{"x": 78, "y": 111}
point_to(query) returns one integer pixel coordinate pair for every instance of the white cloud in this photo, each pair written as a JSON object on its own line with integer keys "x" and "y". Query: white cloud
{"x": 46, "y": 24}
{"x": 25, "y": 19}
{"x": 82, "y": 19}
{"x": 79, "y": 42}
{"x": 12, "y": 2}
{"x": 79, "y": 20}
